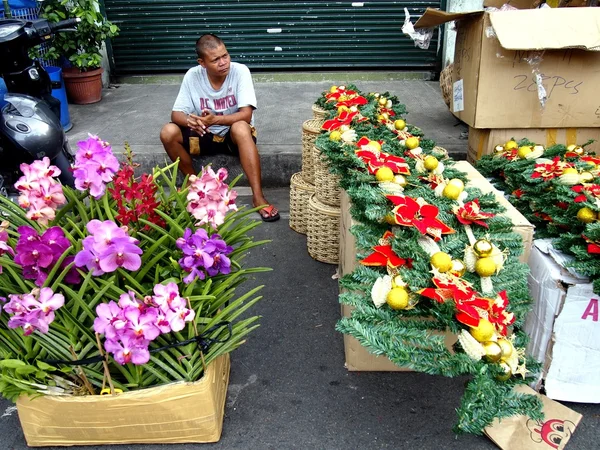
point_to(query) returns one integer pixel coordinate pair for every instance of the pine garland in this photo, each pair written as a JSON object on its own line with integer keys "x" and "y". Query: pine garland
{"x": 356, "y": 143}
{"x": 558, "y": 191}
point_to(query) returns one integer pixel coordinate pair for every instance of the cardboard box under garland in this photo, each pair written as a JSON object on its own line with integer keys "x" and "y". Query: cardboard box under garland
{"x": 564, "y": 327}
{"x": 524, "y": 68}
{"x": 170, "y": 414}
{"x": 483, "y": 141}
{"x": 358, "y": 358}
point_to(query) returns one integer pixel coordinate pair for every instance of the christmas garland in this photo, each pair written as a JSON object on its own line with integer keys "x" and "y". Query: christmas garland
{"x": 435, "y": 256}
{"x": 557, "y": 189}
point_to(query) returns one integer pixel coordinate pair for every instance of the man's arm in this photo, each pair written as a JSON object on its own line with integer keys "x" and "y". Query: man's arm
{"x": 208, "y": 118}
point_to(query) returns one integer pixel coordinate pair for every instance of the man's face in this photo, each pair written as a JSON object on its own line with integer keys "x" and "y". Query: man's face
{"x": 216, "y": 61}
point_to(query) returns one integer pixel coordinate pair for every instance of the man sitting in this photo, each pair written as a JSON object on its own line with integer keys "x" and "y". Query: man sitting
{"x": 213, "y": 113}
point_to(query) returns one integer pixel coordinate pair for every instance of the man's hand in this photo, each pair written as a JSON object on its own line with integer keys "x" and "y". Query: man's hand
{"x": 201, "y": 123}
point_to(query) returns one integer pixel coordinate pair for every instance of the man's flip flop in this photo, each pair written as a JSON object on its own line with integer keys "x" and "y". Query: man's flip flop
{"x": 269, "y": 216}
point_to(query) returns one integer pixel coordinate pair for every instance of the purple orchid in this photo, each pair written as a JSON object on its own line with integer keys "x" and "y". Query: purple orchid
{"x": 33, "y": 311}
{"x": 142, "y": 325}
{"x": 110, "y": 320}
{"x": 203, "y": 255}
{"x": 95, "y": 165}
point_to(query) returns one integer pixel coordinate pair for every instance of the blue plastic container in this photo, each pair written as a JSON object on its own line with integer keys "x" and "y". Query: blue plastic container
{"x": 60, "y": 93}
{"x": 2, "y": 92}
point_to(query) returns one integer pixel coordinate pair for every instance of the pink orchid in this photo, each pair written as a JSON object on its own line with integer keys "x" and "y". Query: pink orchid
{"x": 128, "y": 350}
{"x": 177, "y": 317}
{"x": 110, "y": 320}
{"x": 142, "y": 325}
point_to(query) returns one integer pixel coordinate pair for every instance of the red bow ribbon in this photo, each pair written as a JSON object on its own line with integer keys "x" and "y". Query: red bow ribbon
{"x": 471, "y": 213}
{"x": 384, "y": 256}
{"x": 409, "y": 212}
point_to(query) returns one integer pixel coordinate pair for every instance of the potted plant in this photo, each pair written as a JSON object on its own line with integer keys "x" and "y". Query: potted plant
{"x": 119, "y": 301}
{"x": 78, "y": 52}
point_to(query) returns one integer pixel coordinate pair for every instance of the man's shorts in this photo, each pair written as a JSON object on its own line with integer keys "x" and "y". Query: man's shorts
{"x": 210, "y": 144}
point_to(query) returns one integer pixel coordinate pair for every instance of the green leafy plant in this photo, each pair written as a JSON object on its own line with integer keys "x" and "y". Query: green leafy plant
{"x": 81, "y": 48}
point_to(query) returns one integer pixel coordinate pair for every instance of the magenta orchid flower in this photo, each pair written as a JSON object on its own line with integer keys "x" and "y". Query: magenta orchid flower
{"x": 128, "y": 350}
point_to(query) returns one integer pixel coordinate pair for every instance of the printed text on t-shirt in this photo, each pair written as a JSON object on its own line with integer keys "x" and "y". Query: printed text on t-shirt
{"x": 219, "y": 103}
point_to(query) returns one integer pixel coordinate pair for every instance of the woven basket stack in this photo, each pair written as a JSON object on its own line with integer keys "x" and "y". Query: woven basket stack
{"x": 315, "y": 196}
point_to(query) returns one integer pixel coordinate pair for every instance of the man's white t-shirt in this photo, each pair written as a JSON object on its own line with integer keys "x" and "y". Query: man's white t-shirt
{"x": 196, "y": 94}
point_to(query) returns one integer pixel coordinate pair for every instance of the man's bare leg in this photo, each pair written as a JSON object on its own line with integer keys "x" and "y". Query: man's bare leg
{"x": 172, "y": 141}
{"x": 241, "y": 136}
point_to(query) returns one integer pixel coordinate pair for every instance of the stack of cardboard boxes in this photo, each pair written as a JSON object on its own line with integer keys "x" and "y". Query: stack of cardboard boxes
{"x": 525, "y": 73}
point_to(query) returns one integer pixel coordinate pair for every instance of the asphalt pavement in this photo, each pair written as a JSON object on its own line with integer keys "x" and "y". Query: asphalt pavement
{"x": 288, "y": 386}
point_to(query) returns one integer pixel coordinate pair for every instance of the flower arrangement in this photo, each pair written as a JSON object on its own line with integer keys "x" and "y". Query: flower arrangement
{"x": 434, "y": 254}
{"x": 123, "y": 281}
{"x": 557, "y": 188}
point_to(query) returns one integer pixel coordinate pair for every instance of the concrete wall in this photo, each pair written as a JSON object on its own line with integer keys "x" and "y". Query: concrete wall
{"x": 449, "y": 32}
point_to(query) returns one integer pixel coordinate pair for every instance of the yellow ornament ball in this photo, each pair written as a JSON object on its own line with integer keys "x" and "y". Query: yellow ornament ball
{"x": 458, "y": 183}
{"x": 333, "y": 89}
{"x": 412, "y": 142}
{"x": 586, "y": 177}
{"x": 485, "y": 267}
{"x": 385, "y": 116}
{"x": 570, "y": 170}
{"x": 342, "y": 109}
{"x": 571, "y": 147}
{"x": 399, "y": 124}
{"x": 511, "y": 145}
{"x": 506, "y": 347}
{"x": 493, "y": 351}
{"x": 431, "y": 162}
{"x": 507, "y": 372}
{"x": 524, "y": 151}
{"x": 397, "y": 298}
{"x": 375, "y": 145}
{"x": 441, "y": 261}
{"x": 384, "y": 174}
{"x": 484, "y": 331}
{"x": 586, "y": 215}
{"x": 382, "y": 101}
{"x": 335, "y": 135}
{"x": 483, "y": 248}
{"x": 451, "y": 191}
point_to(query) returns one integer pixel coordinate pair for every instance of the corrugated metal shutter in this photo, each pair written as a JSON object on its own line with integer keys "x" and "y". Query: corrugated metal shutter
{"x": 159, "y": 35}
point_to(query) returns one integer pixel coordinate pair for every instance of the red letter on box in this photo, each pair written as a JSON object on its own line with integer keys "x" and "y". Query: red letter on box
{"x": 591, "y": 310}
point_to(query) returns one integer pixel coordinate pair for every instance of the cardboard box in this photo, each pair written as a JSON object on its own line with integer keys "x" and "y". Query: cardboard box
{"x": 359, "y": 358}
{"x": 564, "y": 328}
{"x": 174, "y": 413}
{"x": 530, "y": 68}
{"x": 482, "y": 142}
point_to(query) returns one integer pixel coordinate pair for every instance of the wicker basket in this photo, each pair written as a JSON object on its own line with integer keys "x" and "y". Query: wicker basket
{"x": 319, "y": 113}
{"x": 327, "y": 184}
{"x": 446, "y": 84}
{"x": 323, "y": 234}
{"x": 310, "y": 130}
{"x": 300, "y": 192}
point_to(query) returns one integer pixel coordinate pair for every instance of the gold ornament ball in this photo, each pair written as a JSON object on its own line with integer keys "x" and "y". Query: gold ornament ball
{"x": 510, "y": 145}
{"x": 380, "y": 118}
{"x": 524, "y": 151}
{"x": 430, "y": 162}
{"x": 397, "y": 298}
{"x": 484, "y": 331}
{"x": 586, "y": 177}
{"x": 506, "y": 347}
{"x": 333, "y": 89}
{"x": 458, "y": 183}
{"x": 384, "y": 174}
{"x": 578, "y": 150}
{"x": 399, "y": 124}
{"x": 493, "y": 351}
{"x": 382, "y": 101}
{"x": 452, "y": 192}
{"x": 570, "y": 170}
{"x": 385, "y": 116}
{"x": 485, "y": 267}
{"x": 586, "y": 215}
{"x": 441, "y": 261}
{"x": 458, "y": 268}
{"x": 335, "y": 135}
{"x": 483, "y": 248}
{"x": 507, "y": 372}
{"x": 571, "y": 147}
{"x": 412, "y": 142}
{"x": 400, "y": 180}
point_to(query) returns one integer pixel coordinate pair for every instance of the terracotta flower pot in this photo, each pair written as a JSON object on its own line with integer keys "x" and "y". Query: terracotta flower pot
{"x": 83, "y": 87}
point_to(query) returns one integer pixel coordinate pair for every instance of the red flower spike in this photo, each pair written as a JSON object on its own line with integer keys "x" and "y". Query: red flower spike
{"x": 471, "y": 213}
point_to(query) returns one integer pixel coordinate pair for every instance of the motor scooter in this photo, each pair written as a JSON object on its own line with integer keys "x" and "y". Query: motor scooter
{"x": 30, "y": 125}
